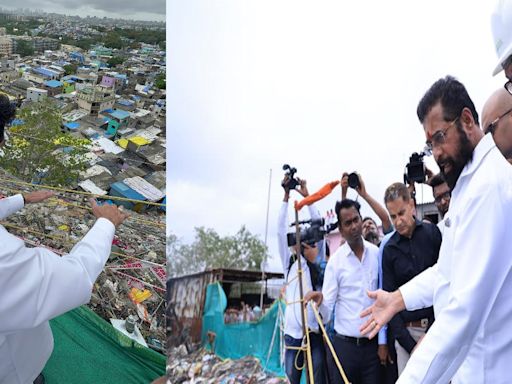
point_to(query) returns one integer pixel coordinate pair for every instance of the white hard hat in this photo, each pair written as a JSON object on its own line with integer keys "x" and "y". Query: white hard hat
{"x": 501, "y": 22}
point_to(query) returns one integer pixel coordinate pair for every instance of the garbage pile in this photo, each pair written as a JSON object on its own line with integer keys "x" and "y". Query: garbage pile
{"x": 133, "y": 281}
{"x": 202, "y": 366}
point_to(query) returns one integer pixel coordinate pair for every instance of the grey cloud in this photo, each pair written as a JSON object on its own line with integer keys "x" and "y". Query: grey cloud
{"x": 111, "y": 7}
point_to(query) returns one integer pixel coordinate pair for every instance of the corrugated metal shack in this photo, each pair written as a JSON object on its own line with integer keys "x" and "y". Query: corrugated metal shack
{"x": 186, "y": 296}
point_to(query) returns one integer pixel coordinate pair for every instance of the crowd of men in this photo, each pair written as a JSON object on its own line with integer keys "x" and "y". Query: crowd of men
{"x": 436, "y": 295}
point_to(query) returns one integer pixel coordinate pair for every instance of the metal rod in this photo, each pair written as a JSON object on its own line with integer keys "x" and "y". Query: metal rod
{"x": 305, "y": 333}
{"x": 266, "y": 233}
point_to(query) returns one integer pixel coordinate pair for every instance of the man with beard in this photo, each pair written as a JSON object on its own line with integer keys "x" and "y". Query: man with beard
{"x": 497, "y": 120}
{"x": 470, "y": 341}
{"x": 411, "y": 249}
{"x": 351, "y": 271}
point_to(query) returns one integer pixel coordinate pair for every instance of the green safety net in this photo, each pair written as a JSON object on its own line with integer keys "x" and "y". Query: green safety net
{"x": 88, "y": 350}
{"x": 258, "y": 338}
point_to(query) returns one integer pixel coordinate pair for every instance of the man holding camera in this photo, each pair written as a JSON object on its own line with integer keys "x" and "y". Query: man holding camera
{"x": 411, "y": 249}
{"x": 293, "y": 329}
{"x": 352, "y": 271}
{"x": 370, "y": 230}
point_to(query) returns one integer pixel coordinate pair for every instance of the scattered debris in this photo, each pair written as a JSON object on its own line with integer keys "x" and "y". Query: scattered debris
{"x": 201, "y": 366}
{"x": 133, "y": 282}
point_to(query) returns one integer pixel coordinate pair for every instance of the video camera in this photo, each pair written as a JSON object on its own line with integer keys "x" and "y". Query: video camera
{"x": 415, "y": 169}
{"x": 292, "y": 182}
{"x": 309, "y": 235}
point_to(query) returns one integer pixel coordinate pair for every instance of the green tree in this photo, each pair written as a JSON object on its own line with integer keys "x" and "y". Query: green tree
{"x": 160, "y": 81}
{"x": 25, "y": 48}
{"x": 115, "y": 60}
{"x": 113, "y": 40}
{"x": 210, "y": 250}
{"x": 70, "y": 69}
{"x": 38, "y": 151}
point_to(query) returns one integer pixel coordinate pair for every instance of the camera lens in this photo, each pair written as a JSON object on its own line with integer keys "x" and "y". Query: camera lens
{"x": 353, "y": 180}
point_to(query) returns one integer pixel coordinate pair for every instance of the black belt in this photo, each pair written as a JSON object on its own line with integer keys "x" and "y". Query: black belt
{"x": 356, "y": 340}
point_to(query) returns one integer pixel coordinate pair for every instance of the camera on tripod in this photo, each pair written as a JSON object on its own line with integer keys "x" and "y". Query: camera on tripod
{"x": 311, "y": 234}
{"x": 292, "y": 181}
{"x": 415, "y": 169}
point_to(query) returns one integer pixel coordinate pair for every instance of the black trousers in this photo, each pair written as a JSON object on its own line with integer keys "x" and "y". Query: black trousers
{"x": 360, "y": 362}
{"x": 389, "y": 372}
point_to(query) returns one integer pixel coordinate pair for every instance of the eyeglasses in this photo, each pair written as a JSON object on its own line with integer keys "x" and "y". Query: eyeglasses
{"x": 444, "y": 196}
{"x": 439, "y": 137}
{"x": 492, "y": 126}
{"x": 508, "y": 86}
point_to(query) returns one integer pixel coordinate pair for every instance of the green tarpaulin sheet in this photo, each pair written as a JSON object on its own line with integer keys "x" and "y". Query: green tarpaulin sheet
{"x": 259, "y": 338}
{"x": 88, "y": 350}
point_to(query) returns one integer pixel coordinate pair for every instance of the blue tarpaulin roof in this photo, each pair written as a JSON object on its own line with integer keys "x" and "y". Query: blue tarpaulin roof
{"x": 72, "y": 125}
{"x": 125, "y": 102}
{"x": 45, "y": 72}
{"x": 119, "y": 114}
{"x": 121, "y": 189}
{"x": 53, "y": 83}
{"x": 17, "y": 122}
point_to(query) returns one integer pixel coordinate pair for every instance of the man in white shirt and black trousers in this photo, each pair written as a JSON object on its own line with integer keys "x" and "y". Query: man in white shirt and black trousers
{"x": 350, "y": 273}
{"x": 471, "y": 284}
{"x": 311, "y": 279}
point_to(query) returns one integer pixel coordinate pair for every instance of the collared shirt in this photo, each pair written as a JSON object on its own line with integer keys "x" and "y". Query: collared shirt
{"x": 347, "y": 280}
{"x": 292, "y": 315}
{"x": 403, "y": 258}
{"x": 471, "y": 339}
{"x": 38, "y": 285}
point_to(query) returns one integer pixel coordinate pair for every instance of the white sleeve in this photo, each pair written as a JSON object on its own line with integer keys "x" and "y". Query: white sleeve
{"x": 419, "y": 292}
{"x": 11, "y": 204}
{"x": 282, "y": 243}
{"x": 479, "y": 271}
{"x": 329, "y": 290}
{"x": 38, "y": 285}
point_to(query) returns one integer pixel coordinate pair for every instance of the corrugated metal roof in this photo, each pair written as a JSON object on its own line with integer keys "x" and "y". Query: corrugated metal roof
{"x": 146, "y": 189}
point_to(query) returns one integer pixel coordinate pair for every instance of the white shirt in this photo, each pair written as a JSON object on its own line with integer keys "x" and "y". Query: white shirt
{"x": 292, "y": 314}
{"x": 471, "y": 339}
{"x": 38, "y": 285}
{"x": 346, "y": 283}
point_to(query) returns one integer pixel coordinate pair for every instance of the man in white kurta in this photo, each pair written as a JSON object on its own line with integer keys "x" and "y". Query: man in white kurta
{"x": 38, "y": 285}
{"x": 471, "y": 285}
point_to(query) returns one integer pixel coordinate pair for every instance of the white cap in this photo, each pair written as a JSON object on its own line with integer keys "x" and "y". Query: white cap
{"x": 501, "y": 23}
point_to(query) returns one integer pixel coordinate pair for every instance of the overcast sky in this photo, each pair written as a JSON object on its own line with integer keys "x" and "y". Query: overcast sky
{"x": 324, "y": 86}
{"x": 122, "y": 9}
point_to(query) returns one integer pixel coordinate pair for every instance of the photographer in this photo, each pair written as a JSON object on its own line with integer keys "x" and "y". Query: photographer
{"x": 293, "y": 318}
{"x": 370, "y": 230}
